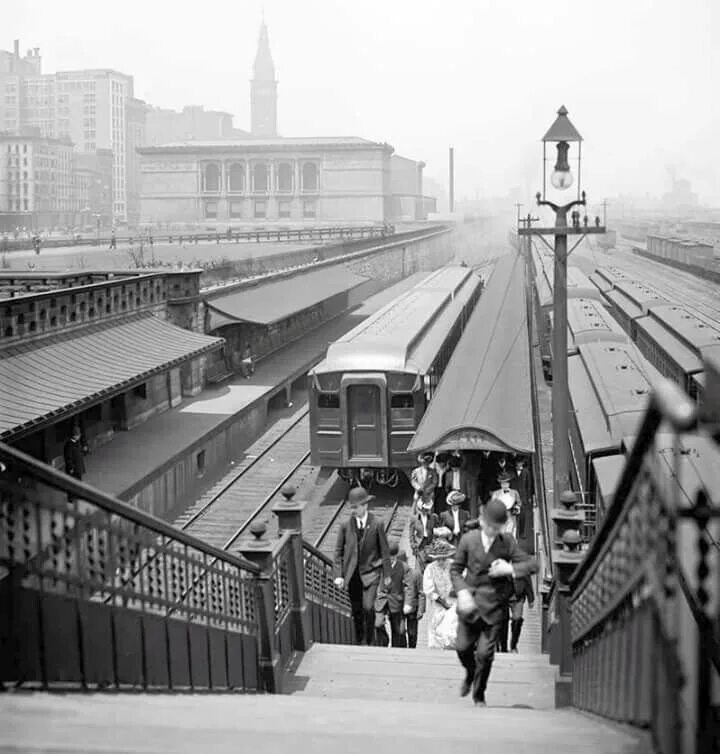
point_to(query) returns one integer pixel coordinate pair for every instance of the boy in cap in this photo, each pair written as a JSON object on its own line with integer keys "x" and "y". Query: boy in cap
{"x": 414, "y": 604}
{"x": 390, "y": 600}
{"x": 482, "y": 570}
{"x": 362, "y": 560}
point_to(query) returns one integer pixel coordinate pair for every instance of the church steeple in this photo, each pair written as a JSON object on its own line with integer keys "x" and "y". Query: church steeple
{"x": 263, "y": 89}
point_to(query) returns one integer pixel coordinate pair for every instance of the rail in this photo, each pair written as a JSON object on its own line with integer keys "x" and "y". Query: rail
{"x": 67, "y": 548}
{"x": 645, "y": 600}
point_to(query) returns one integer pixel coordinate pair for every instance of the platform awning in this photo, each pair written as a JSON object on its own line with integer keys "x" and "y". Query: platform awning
{"x": 483, "y": 401}
{"x": 277, "y": 300}
{"x": 45, "y": 380}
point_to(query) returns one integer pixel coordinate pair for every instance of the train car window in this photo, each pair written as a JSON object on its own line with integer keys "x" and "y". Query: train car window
{"x": 329, "y": 382}
{"x": 402, "y": 400}
{"x": 402, "y": 382}
{"x": 328, "y": 400}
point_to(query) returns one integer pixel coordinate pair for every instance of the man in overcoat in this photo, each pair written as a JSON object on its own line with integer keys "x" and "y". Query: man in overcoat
{"x": 362, "y": 560}
{"x": 492, "y": 560}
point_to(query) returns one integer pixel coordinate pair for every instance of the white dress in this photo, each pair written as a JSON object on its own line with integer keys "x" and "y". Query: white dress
{"x": 442, "y": 623}
{"x": 509, "y": 499}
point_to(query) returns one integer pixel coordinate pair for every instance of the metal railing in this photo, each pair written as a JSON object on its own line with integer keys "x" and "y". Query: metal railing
{"x": 95, "y": 593}
{"x": 645, "y": 600}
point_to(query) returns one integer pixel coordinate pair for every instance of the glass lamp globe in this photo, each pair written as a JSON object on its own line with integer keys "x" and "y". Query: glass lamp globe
{"x": 561, "y": 179}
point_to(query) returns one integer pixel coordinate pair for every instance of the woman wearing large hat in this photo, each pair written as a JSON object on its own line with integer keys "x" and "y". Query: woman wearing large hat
{"x": 442, "y": 617}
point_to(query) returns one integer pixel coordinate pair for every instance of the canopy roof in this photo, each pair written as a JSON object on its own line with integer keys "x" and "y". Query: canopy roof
{"x": 483, "y": 400}
{"x": 277, "y": 300}
{"x": 44, "y": 380}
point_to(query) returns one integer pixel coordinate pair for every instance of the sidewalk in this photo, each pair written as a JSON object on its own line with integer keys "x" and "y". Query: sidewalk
{"x": 132, "y": 456}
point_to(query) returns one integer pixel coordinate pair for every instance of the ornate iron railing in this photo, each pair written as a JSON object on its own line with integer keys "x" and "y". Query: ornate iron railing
{"x": 86, "y": 584}
{"x": 645, "y": 603}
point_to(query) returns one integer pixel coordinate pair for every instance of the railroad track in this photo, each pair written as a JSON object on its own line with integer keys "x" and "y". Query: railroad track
{"x": 226, "y": 512}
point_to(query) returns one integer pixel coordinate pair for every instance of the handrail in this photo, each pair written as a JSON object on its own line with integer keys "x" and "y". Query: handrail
{"x": 83, "y": 491}
{"x": 317, "y": 553}
{"x": 668, "y": 402}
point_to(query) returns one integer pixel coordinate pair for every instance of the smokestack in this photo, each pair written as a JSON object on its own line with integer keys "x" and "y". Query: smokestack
{"x": 16, "y": 48}
{"x": 452, "y": 179}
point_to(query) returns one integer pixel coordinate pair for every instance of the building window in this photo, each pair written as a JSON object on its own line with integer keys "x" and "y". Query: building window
{"x": 260, "y": 209}
{"x": 309, "y": 209}
{"x": 284, "y": 209}
{"x": 236, "y": 178}
{"x": 211, "y": 210}
{"x": 309, "y": 177}
{"x": 285, "y": 178}
{"x": 235, "y": 209}
{"x": 260, "y": 178}
{"x": 211, "y": 177}
{"x": 140, "y": 391}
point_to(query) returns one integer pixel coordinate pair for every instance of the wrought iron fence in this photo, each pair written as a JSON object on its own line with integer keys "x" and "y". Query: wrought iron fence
{"x": 645, "y": 617}
{"x": 87, "y": 582}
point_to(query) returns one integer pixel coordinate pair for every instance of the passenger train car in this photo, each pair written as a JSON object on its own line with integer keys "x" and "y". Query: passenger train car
{"x": 672, "y": 335}
{"x": 369, "y": 394}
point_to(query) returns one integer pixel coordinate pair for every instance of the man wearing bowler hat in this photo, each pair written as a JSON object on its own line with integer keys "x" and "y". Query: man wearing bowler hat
{"x": 492, "y": 559}
{"x": 362, "y": 558}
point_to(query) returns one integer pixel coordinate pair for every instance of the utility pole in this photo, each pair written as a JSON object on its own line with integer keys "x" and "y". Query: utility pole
{"x": 605, "y": 206}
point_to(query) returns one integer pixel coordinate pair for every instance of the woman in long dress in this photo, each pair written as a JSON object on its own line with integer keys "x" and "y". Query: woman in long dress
{"x": 441, "y": 615}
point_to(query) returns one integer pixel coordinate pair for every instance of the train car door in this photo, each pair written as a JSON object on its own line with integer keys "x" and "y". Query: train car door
{"x": 365, "y": 403}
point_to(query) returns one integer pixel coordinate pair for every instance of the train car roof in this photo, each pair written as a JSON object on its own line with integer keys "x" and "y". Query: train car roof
{"x": 600, "y": 282}
{"x": 694, "y": 330}
{"x": 608, "y": 470}
{"x": 589, "y": 321}
{"x": 686, "y": 358}
{"x": 483, "y": 400}
{"x": 610, "y": 386}
{"x": 579, "y": 285}
{"x": 624, "y": 304}
{"x": 401, "y": 336}
{"x": 642, "y": 295}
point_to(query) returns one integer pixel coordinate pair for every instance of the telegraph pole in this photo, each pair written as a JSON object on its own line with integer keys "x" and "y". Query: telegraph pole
{"x": 452, "y": 179}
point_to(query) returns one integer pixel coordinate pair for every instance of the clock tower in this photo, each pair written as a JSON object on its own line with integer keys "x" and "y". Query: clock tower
{"x": 263, "y": 89}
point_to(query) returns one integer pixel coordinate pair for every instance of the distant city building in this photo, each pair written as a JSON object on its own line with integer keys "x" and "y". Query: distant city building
{"x": 321, "y": 180}
{"x": 264, "y": 178}
{"x": 94, "y": 108}
{"x": 263, "y": 90}
{"x": 164, "y": 126}
{"x": 93, "y": 189}
{"x": 36, "y": 176}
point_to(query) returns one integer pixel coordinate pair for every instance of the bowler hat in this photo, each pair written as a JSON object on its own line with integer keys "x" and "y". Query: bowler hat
{"x": 504, "y": 477}
{"x": 455, "y": 498}
{"x": 495, "y": 512}
{"x": 359, "y": 496}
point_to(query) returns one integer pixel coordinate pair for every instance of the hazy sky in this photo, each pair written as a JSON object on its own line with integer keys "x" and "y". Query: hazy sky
{"x": 639, "y": 77}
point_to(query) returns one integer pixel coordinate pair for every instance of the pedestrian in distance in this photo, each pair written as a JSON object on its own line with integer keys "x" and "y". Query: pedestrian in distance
{"x": 362, "y": 561}
{"x": 510, "y": 498}
{"x": 455, "y": 519}
{"x": 73, "y": 452}
{"x": 247, "y": 364}
{"x": 424, "y": 478}
{"x": 482, "y": 572}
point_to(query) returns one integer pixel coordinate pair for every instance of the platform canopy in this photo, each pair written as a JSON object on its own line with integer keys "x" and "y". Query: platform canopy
{"x": 45, "y": 380}
{"x": 483, "y": 401}
{"x": 277, "y": 300}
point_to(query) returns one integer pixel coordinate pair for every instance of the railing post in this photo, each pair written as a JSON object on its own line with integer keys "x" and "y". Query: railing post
{"x": 567, "y": 521}
{"x": 289, "y": 513}
{"x": 260, "y": 551}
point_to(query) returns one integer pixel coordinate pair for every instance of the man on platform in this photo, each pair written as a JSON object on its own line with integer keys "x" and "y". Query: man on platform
{"x": 390, "y": 601}
{"x": 362, "y": 559}
{"x": 492, "y": 560}
{"x": 424, "y": 478}
{"x": 460, "y": 480}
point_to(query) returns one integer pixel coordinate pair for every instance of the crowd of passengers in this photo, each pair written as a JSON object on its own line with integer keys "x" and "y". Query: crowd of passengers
{"x": 450, "y": 493}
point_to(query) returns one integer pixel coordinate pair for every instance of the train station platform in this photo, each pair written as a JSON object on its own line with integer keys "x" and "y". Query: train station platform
{"x": 144, "y": 464}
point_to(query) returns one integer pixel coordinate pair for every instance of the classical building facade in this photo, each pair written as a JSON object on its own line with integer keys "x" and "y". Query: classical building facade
{"x": 283, "y": 180}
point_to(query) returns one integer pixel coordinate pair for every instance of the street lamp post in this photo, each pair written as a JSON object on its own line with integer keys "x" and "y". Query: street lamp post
{"x": 562, "y": 133}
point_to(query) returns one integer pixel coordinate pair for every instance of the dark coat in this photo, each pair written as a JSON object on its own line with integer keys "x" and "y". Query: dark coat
{"x": 524, "y": 588}
{"x": 74, "y": 460}
{"x": 372, "y": 557}
{"x": 414, "y": 594}
{"x": 467, "y": 485}
{"x": 446, "y": 519}
{"x": 393, "y": 595}
{"x": 490, "y": 594}
{"x": 417, "y": 538}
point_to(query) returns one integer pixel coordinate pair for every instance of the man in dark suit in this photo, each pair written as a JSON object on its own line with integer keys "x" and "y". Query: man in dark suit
{"x": 456, "y": 518}
{"x": 422, "y": 528}
{"x": 459, "y": 479}
{"x": 520, "y": 481}
{"x": 73, "y": 451}
{"x": 390, "y": 600}
{"x": 362, "y": 559}
{"x": 492, "y": 560}
{"x": 486, "y": 475}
